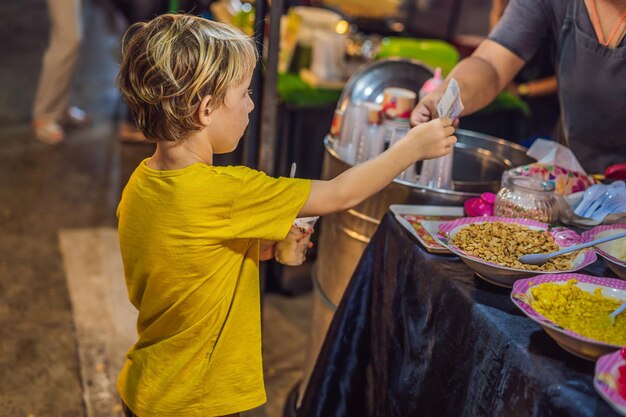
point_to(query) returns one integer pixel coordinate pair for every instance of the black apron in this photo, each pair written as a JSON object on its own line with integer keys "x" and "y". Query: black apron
{"x": 592, "y": 91}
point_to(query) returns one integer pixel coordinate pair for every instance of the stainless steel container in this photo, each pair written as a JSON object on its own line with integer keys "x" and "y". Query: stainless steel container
{"x": 479, "y": 162}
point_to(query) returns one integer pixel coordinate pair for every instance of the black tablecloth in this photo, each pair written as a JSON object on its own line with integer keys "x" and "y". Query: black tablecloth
{"x": 418, "y": 334}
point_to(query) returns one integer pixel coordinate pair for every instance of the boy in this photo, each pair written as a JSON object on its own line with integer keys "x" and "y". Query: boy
{"x": 190, "y": 232}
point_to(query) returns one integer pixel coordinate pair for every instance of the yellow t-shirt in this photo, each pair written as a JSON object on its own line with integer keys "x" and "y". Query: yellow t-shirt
{"x": 190, "y": 245}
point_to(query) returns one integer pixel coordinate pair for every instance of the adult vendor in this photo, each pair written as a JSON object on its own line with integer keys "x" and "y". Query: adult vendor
{"x": 587, "y": 39}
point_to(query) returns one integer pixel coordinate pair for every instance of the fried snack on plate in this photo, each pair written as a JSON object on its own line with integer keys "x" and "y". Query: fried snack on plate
{"x": 504, "y": 243}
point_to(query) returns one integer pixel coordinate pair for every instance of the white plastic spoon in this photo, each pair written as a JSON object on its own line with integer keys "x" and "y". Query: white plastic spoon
{"x": 540, "y": 258}
{"x": 616, "y": 312}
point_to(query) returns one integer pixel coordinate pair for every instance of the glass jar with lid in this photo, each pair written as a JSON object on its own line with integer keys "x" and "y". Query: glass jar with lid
{"x": 528, "y": 198}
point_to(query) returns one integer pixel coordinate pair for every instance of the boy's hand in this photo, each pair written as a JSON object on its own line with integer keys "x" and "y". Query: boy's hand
{"x": 268, "y": 248}
{"x": 432, "y": 139}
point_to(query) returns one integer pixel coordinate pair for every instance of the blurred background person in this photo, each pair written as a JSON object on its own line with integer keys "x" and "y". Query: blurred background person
{"x": 51, "y": 109}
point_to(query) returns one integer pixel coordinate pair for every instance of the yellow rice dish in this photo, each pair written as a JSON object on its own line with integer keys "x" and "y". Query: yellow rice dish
{"x": 580, "y": 311}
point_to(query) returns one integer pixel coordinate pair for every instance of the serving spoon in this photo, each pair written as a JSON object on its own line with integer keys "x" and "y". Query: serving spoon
{"x": 616, "y": 312}
{"x": 541, "y": 258}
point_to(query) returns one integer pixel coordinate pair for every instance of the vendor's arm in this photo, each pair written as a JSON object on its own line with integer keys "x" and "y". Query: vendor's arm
{"x": 427, "y": 141}
{"x": 481, "y": 77}
{"x": 517, "y": 36}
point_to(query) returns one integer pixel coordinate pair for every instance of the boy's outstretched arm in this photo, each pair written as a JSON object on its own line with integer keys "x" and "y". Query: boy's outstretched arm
{"x": 426, "y": 141}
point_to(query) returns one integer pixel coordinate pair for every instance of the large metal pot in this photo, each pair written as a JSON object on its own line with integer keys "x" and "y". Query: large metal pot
{"x": 479, "y": 161}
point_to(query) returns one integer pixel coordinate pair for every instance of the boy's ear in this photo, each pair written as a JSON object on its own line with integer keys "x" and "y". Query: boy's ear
{"x": 204, "y": 114}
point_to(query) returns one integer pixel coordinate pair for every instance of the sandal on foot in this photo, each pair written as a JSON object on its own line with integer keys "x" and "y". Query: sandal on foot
{"x": 48, "y": 131}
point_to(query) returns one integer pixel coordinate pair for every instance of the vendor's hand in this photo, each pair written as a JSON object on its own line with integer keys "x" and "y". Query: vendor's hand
{"x": 432, "y": 139}
{"x": 426, "y": 109}
{"x": 268, "y": 248}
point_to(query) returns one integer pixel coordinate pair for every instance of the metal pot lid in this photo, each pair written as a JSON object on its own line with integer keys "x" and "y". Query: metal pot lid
{"x": 368, "y": 83}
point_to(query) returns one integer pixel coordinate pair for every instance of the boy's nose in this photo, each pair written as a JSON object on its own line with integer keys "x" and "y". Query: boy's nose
{"x": 250, "y": 105}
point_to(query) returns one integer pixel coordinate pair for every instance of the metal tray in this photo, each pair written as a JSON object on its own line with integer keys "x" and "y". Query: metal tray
{"x": 423, "y": 221}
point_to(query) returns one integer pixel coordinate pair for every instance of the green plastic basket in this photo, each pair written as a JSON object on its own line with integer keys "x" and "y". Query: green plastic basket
{"x": 432, "y": 52}
{"x": 293, "y": 90}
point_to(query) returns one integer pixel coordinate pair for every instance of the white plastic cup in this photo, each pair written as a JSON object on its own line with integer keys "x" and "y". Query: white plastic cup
{"x": 292, "y": 250}
{"x": 354, "y": 123}
{"x": 409, "y": 174}
{"x": 376, "y": 140}
{"x": 437, "y": 173}
{"x": 400, "y": 132}
{"x": 363, "y": 148}
{"x": 369, "y": 133}
{"x": 394, "y": 131}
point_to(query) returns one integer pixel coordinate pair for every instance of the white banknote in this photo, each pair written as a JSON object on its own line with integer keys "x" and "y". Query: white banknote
{"x": 450, "y": 104}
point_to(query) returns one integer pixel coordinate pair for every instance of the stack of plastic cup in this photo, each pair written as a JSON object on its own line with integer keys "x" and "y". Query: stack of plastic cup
{"x": 371, "y": 136}
{"x": 409, "y": 173}
{"x": 437, "y": 173}
{"x": 376, "y": 139}
{"x": 354, "y": 123}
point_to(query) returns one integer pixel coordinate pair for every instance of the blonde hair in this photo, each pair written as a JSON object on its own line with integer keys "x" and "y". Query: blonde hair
{"x": 172, "y": 62}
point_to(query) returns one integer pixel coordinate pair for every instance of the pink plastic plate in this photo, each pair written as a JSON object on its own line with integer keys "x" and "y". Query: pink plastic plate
{"x": 503, "y": 275}
{"x": 617, "y": 265}
{"x": 605, "y": 381}
{"x": 571, "y": 341}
